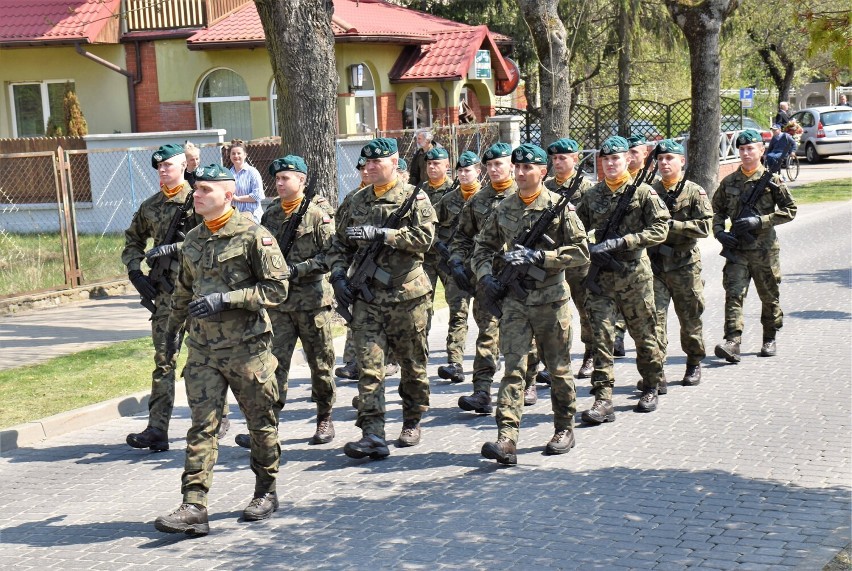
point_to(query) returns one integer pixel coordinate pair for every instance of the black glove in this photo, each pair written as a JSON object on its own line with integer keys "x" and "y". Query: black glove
{"x": 366, "y": 233}
{"x": 727, "y": 239}
{"x": 460, "y": 276}
{"x": 522, "y": 256}
{"x": 173, "y": 340}
{"x": 600, "y": 258}
{"x": 747, "y": 224}
{"x": 142, "y": 284}
{"x": 342, "y": 292}
{"x": 491, "y": 287}
{"x": 611, "y": 245}
{"x": 294, "y": 271}
{"x": 209, "y": 305}
{"x": 164, "y": 250}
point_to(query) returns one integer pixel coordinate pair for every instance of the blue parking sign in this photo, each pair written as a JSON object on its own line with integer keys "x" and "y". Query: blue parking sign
{"x": 747, "y": 93}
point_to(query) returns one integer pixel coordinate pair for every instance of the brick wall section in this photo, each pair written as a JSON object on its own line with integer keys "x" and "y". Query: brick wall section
{"x": 151, "y": 114}
{"x": 390, "y": 118}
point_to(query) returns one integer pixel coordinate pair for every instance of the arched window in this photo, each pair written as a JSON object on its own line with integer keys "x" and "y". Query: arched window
{"x": 223, "y": 103}
{"x": 365, "y": 101}
{"x": 417, "y": 112}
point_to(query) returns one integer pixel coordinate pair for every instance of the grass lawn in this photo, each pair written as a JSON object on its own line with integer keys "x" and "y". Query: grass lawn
{"x": 823, "y": 191}
{"x": 73, "y": 381}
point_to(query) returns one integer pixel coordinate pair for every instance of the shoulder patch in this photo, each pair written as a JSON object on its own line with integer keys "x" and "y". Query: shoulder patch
{"x": 266, "y": 240}
{"x": 701, "y": 191}
{"x": 321, "y": 200}
{"x": 571, "y": 207}
{"x": 652, "y": 191}
{"x": 421, "y": 195}
{"x": 326, "y": 219}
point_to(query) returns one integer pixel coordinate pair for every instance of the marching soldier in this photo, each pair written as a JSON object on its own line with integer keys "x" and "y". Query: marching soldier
{"x": 152, "y": 221}
{"x": 396, "y": 317}
{"x": 630, "y": 287}
{"x": 677, "y": 261}
{"x": 564, "y": 156}
{"x": 545, "y": 313}
{"x": 758, "y": 260}
{"x": 231, "y": 271}
{"x": 306, "y": 314}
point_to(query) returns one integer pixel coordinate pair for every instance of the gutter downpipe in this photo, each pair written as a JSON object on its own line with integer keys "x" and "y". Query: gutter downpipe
{"x": 132, "y": 81}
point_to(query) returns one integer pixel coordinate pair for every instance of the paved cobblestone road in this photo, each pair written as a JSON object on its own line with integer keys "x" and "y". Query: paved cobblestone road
{"x": 749, "y": 470}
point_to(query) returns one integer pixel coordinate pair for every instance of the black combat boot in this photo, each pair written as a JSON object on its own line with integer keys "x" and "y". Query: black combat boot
{"x": 452, "y": 372}
{"x": 190, "y": 519}
{"x": 261, "y": 507}
{"x": 479, "y": 402}
{"x": 151, "y": 437}
{"x": 648, "y": 401}
{"x": 503, "y": 451}
{"x": 602, "y": 411}
{"x": 325, "y": 430}
{"x": 561, "y": 443}
{"x": 544, "y": 377}
{"x": 729, "y": 350}
{"x": 355, "y": 401}
{"x": 410, "y": 434}
{"x": 243, "y": 440}
{"x": 692, "y": 376}
{"x": 768, "y": 349}
{"x": 530, "y": 395}
{"x": 348, "y": 371}
{"x": 618, "y": 346}
{"x": 370, "y": 445}
{"x": 587, "y": 367}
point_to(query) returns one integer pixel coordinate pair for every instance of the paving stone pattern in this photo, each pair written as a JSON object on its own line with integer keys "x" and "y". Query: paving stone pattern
{"x": 749, "y": 470}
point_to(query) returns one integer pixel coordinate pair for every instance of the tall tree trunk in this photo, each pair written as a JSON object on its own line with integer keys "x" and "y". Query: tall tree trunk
{"x": 624, "y": 33}
{"x": 550, "y": 37}
{"x": 781, "y": 66}
{"x": 701, "y": 23}
{"x": 301, "y": 50}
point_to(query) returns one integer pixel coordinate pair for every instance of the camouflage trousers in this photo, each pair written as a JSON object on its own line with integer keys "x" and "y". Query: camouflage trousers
{"x": 458, "y": 302}
{"x": 684, "y": 288}
{"x": 575, "y": 278}
{"x": 349, "y": 349}
{"x": 764, "y": 267}
{"x": 630, "y": 291}
{"x": 313, "y": 328}
{"x": 249, "y": 371}
{"x": 376, "y": 329}
{"x": 487, "y": 353}
{"x": 550, "y": 326}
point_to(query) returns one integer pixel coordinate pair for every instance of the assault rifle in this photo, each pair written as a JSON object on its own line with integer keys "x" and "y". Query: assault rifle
{"x": 609, "y": 231}
{"x": 366, "y": 268}
{"x": 288, "y": 236}
{"x": 654, "y": 252}
{"x": 747, "y": 209}
{"x": 510, "y": 277}
{"x": 443, "y": 248}
{"x": 159, "y": 274}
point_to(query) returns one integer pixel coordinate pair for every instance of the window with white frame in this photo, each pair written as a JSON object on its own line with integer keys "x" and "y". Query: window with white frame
{"x": 273, "y": 107}
{"x": 223, "y": 103}
{"x": 34, "y": 102}
{"x": 417, "y": 112}
{"x": 365, "y": 102}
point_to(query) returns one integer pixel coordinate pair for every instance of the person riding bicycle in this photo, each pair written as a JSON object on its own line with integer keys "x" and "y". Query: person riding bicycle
{"x": 780, "y": 147}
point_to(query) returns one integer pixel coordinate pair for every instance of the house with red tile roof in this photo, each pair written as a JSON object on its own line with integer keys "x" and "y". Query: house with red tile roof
{"x": 167, "y": 65}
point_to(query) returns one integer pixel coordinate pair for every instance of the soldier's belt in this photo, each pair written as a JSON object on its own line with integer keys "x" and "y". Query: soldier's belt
{"x": 546, "y": 282}
{"x": 628, "y": 255}
{"x": 231, "y": 315}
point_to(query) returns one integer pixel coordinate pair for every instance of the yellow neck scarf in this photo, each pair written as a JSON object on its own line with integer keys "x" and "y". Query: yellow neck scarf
{"x": 381, "y": 189}
{"x": 291, "y": 206}
{"x": 561, "y": 181}
{"x": 748, "y": 174}
{"x": 501, "y": 186}
{"x": 615, "y": 184}
{"x": 668, "y": 184}
{"x": 439, "y": 184}
{"x": 217, "y": 223}
{"x": 361, "y": 185}
{"x": 529, "y": 200}
{"x": 633, "y": 173}
{"x": 171, "y": 192}
{"x": 468, "y": 190}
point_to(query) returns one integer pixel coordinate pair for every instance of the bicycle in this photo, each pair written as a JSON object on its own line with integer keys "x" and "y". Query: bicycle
{"x": 791, "y": 165}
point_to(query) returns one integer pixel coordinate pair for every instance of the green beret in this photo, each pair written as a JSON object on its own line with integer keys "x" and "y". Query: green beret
{"x": 165, "y": 152}
{"x": 467, "y": 159}
{"x": 749, "y": 136}
{"x": 670, "y": 146}
{"x": 401, "y": 165}
{"x": 362, "y": 162}
{"x": 213, "y": 173}
{"x": 529, "y": 154}
{"x": 289, "y": 163}
{"x": 614, "y": 145}
{"x": 563, "y": 145}
{"x": 636, "y": 140}
{"x": 379, "y": 148}
{"x": 496, "y": 151}
{"x": 437, "y": 153}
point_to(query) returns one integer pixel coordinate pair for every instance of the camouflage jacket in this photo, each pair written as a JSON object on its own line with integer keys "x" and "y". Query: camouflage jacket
{"x": 310, "y": 289}
{"x": 402, "y": 258}
{"x": 551, "y": 184}
{"x": 472, "y": 219}
{"x": 691, "y": 216}
{"x": 449, "y": 210}
{"x": 435, "y": 195}
{"x": 242, "y": 258}
{"x": 509, "y": 219}
{"x": 644, "y": 225}
{"x": 727, "y": 202}
{"x": 152, "y": 220}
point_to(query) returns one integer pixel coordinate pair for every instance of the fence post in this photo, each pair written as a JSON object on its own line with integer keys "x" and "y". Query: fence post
{"x": 510, "y": 128}
{"x": 68, "y": 225}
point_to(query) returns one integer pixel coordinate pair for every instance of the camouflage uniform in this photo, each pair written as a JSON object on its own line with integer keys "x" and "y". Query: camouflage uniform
{"x": 231, "y": 349}
{"x": 306, "y": 314}
{"x": 545, "y": 315}
{"x": 759, "y": 260}
{"x": 152, "y": 220}
{"x": 677, "y": 269}
{"x": 396, "y": 318}
{"x": 630, "y": 290}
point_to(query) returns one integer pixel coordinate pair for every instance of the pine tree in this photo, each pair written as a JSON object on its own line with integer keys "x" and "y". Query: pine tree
{"x": 75, "y": 123}
{"x": 53, "y": 128}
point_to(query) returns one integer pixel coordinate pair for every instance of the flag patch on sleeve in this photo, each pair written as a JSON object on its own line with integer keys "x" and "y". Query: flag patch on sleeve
{"x": 266, "y": 240}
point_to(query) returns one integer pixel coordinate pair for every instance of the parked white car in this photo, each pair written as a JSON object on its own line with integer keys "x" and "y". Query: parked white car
{"x": 826, "y": 131}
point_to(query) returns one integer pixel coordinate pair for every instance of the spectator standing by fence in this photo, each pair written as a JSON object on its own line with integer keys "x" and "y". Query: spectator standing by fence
{"x": 249, "y": 183}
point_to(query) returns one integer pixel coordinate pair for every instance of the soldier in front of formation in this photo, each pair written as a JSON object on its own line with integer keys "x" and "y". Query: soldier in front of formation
{"x": 625, "y": 280}
{"x": 751, "y": 246}
{"x": 544, "y": 314}
{"x": 396, "y": 316}
{"x": 231, "y": 273}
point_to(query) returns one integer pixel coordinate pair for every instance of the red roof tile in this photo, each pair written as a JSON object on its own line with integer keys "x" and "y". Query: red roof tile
{"x": 57, "y": 21}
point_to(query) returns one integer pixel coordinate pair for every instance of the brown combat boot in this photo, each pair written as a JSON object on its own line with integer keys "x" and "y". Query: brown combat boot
{"x": 530, "y": 395}
{"x": 503, "y": 451}
{"x": 602, "y": 411}
{"x": 662, "y": 387}
{"x": 587, "y": 367}
{"x": 729, "y": 350}
{"x": 410, "y": 434}
{"x": 190, "y": 519}
{"x": 325, "y": 430}
{"x": 768, "y": 349}
{"x": 692, "y": 376}
{"x": 561, "y": 443}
